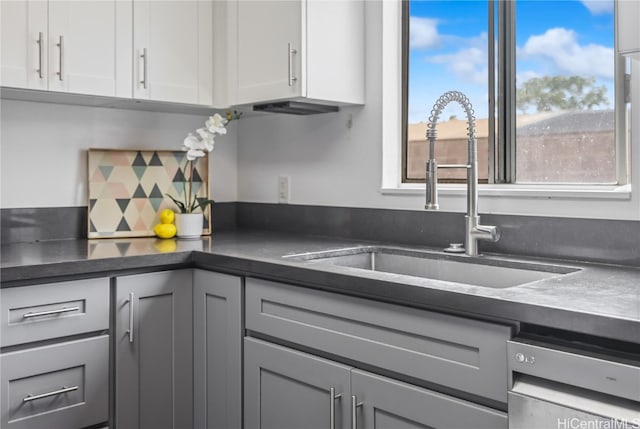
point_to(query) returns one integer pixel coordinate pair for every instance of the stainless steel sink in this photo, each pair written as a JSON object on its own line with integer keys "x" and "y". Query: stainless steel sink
{"x": 487, "y": 272}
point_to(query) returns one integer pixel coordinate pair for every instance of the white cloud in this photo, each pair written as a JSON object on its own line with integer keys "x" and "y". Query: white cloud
{"x": 597, "y": 7}
{"x": 469, "y": 63}
{"x": 423, "y": 33}
{"x": 524, "y": 76}
{"x": 560, "y": 46}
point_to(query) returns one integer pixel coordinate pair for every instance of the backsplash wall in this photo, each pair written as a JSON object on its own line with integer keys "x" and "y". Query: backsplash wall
{"x": 43, "y": 149}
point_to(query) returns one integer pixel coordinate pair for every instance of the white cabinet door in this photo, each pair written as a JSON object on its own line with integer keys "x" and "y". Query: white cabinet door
{"x": 23, "y": 32}
{"x": 270, "y": 50}
{"x": 84, "y": 53}
{"x": 628, "y": 28}
{"x": 173, "y": 51}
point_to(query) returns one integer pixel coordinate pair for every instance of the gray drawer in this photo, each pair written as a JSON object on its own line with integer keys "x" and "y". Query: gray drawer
{"x": 463, "y": 354}
{"x": 57, "y": 386}
{"x": 40, "y": 312}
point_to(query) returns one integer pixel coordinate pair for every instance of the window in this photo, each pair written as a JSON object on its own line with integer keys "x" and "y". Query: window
{"x": 550, "y": 70}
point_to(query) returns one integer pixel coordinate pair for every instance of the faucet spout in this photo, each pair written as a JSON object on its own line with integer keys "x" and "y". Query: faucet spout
{"x": 474, "y": 231}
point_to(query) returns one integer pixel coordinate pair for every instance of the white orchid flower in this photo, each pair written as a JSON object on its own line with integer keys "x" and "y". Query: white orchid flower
{"x": 215, "y": 124}
{"x": 193, "y": 147}
{"x": 204, "y": 134}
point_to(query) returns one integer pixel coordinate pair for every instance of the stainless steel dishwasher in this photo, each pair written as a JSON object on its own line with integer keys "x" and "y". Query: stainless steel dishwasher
{"x": 557, "y": 386}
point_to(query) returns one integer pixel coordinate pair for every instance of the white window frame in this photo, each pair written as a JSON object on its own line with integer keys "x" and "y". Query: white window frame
{"x": 580, "y": 201}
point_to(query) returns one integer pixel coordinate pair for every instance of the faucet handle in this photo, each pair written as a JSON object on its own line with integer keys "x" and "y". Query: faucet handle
{"x": 432, "y": 185}
{"x": 487, "y": 232}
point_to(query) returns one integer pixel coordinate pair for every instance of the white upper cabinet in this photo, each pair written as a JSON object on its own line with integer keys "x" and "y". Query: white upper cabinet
{"x": 629, "y": 28}
{"x": 269, "y": 50}
{"x": 23, "y": 32}
{"x": 80, "y": 47}
{"x": 88, "y": 50}
{"x": 297, "y": 49}
{"x": 173, "y": 51}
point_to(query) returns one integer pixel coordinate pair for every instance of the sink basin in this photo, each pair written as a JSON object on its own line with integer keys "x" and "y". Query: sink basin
{"x": 494, "y": 273}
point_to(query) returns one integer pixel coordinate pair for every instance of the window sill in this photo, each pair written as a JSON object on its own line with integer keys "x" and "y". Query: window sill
{"x": 598, "y": 192}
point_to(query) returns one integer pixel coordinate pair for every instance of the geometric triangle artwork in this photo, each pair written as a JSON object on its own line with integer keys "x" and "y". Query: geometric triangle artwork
{"x": 179, "y": 177}
{"x": 139, "y": 192}
{"x": 155, "y": 192}
{"x": 106, "y": 171}
{"x": 155, "y": 160}
{"x": 155, "y": 202}
{"x": 196, "y": 176}
{"x": 123, "y": 225}
{"x": 139, "y": 161}
{"x": 123, "y": 203}
{"x": 139, "y": 170}
{"x": 127, "y": 190}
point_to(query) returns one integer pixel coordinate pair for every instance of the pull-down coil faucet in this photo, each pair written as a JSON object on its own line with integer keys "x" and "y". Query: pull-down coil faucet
{"x": 474, "y": 231}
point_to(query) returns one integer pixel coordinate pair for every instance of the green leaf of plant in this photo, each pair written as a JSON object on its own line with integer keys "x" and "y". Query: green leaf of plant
{"x": 180, "y": 205}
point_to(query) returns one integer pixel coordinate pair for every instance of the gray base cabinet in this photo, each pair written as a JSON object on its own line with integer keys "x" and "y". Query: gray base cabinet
{"x": 460, "y": 353}
{"x": 288, "y": 389}
{"x": 61, "y": 385}
{"x": 154, "y": 351}
{"x": 49, "y": 377}
{"x": 217, "y": 338}
{"x": 385, "y": 403}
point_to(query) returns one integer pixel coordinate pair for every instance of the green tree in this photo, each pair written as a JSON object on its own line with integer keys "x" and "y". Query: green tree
{"x": 549, "y": 93}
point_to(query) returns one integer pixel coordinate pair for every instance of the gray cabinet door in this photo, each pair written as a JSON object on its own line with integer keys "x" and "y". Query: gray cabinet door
{"x": 217, "y": 359}
{"x": 391, "y": 404}
{"x": 287, "y": 389}
{"x": 154, "y": 360}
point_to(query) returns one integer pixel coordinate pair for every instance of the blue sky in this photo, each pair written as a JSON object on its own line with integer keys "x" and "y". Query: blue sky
{"x": 448, "y": 41}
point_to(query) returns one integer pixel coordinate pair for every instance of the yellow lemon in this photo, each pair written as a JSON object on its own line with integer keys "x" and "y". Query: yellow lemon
{"x": 165, "y": 246}
{"x": 165, "y": 230}
{"x": 167, "y": 216}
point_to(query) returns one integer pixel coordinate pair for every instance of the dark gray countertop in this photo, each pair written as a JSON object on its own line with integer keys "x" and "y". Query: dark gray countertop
{"x": 601, "y": 300}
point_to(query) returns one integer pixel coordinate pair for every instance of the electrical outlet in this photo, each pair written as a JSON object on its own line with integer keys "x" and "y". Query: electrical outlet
{"x": 284, "y": 183}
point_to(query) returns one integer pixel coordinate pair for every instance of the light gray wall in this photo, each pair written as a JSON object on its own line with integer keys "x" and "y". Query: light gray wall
{"x": 43, "y": 147}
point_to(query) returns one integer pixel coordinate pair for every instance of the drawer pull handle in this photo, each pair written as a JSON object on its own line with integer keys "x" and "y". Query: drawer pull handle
{"x": 145, "y": 65}
{"x": 130, "y": 330}
{"x": 291, "y": 51}
{"x": 64, "y": 389}
{"x": 332, "y": 407}
{"x": 60, "y": 45}
{"x": 354, "y": 408}
{"x": 50, "y": 312}
{"x": 40, "y": 47}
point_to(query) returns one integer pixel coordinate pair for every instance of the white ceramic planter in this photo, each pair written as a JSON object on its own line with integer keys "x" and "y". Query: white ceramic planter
{"x": 189, "y": 225}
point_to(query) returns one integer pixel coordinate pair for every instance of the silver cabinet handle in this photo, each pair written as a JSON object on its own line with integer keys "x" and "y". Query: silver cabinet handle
{"x": 291, "y": 52}
{"x": 332, "y": 407}
{"x": 40, "y": 43}
{"x": 354, "y": 408}
{"x": 64, "y": 389}
{"x": 60, "y": 45}
{"x": 130, "y": 330}
{"x": 144, "y": 57}
{"x": 49, "y": 312}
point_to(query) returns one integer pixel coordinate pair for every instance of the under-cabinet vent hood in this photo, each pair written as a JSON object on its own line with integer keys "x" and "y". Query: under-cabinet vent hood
{"x": 295, "y": 108}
